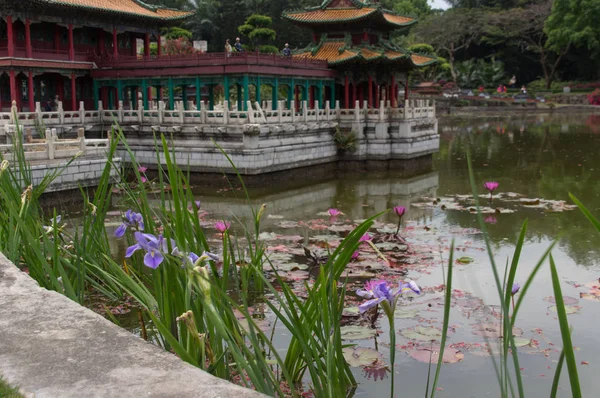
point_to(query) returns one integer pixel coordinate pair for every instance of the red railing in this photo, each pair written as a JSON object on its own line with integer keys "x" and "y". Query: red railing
{"x": 47, "y": 54}
{"x": 204, "y": 59}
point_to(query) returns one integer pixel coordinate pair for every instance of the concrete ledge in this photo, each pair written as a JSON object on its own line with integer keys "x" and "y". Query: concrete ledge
{"x": 51, "y": 346}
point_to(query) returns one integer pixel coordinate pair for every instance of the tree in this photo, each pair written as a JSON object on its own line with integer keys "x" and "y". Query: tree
{"x": 417, "y": 8}
{"x": 451, "y": 32}
{"x": 523, "y": 28}
{"x": 258, "y": 29}
{"x": 573, "y": 22}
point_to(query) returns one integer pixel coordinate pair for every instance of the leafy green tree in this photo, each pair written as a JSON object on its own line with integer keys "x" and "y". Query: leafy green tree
{"x": 417, "y": 8}
{"x": 258, "y": 29}
{"x": 434, "y": 72}
{"x": 573, "y": 22}
{"x": 175, "y": 33}
{"x": 452, "y": 32}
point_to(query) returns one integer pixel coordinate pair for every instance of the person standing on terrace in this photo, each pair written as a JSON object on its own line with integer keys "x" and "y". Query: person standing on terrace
{"x": 238, "y": 45}
{"x": 286, "y": 50}
{"x": 228, "y": 48}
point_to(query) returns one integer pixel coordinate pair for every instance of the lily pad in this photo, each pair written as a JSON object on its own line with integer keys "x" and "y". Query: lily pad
{"x": 589, "y": 296}
{"x": 432, "y": 354}
{"x": 464, "y": 260}
{"x": 522, "y": 341}
{"x": 570, "y": 309}
{"x": 492, "y": 330}
{"x": 350, "y": 311}
{"x": 402, "y": 313}
{"x": 355, "y": 332}
{"x": 389, "y": 246}
{"x": 361, "y": 356}
{"x": 295, "y": 275}
{"x": 566, "y": 299}
{"x": 287, "y": 266}
{"x": 326, "y": 238}
{"x": 422, "y": 333}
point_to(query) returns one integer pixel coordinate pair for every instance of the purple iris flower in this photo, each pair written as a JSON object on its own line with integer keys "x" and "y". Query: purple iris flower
{"x": 365, "y": 238}
{"x": 206, "y": 256}
{"x": 378, "y": 291}
{"x": 515, "y": 289}
{"x": 132, "y": 219}
{"x": 155, "y": 248}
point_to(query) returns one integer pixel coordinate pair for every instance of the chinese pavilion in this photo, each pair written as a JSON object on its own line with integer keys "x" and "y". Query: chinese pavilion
{"x": 97, "y": 52}
{"x": 46, "y": 45}
{"x": 353, "y": 36}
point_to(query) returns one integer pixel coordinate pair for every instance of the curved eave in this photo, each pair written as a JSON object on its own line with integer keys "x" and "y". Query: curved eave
{"x": 299, "y": 16}
{"x": 180, "y": 16}
{"x": 420, "y": 61}
{"x": 399, "y": 21}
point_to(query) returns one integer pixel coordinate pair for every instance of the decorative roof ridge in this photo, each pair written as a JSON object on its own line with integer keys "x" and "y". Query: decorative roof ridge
{"x": 357, "y": 3}
{"x": 155, "y": 7}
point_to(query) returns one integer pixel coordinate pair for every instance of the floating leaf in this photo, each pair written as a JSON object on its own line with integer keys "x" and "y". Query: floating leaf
{"x": 570, "y": 309}
{"x": 354, "y": 332}
{"x": 422, "y": 333}
{"x": 361, "y": 356}
{"x": 492, "y": 330}
{"x": 464, "y": 260}
{"x": 522, "y": 341}
{"x": 590, "y": 297}
{"x": 402, "y": 313}
{"x": 390, "y": 246}
{"x": 567, "y": 300}
{"x": 432, "y": 354}
{"x": 287, "y": 266}
{"x": 351, "y": 311}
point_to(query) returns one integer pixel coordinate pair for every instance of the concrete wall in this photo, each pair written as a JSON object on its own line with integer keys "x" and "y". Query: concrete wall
{"x": 51, "y": 347}
{"x": 265, "y": 148}
{"x": 83, "y": 172}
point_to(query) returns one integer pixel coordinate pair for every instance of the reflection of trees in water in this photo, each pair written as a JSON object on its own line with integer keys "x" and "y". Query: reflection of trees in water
{"x": 548, "y": 158}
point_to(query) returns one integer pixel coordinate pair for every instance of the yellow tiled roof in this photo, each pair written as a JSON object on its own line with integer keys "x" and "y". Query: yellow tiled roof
{"x": 131, "y": 7}
{"x": 330, "y": 51}
{"x": 335, "y": 52}
{"x": 346, "y": 14}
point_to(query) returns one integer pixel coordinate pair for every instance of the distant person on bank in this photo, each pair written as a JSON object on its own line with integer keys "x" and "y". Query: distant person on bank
{"x": 238, "y": 45}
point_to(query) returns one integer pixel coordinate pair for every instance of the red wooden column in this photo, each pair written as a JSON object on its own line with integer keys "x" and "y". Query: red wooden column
{"x": 354, "y": 93}
{"x": 56, "y": 39}
{"x": 347, "y": 92}
{"x": 28, "y": 49}
{"x": 31, "y": 92}
{"x": 73, "y": 92}
{"x": 104, "y": 97}
{"x": 115, "y": 43}
{"x": 101, "y": 42}
{"x": 10, "y": 36}
{"x": 361, "y": 96}
{"x": 147, "y": 44}
{"x": 393, "y": 92}
{"x": 370, "y": 91}
{"x": 158, "y": 45}
{"x": 71, "y": 44}
{"x": 13, "y": 86}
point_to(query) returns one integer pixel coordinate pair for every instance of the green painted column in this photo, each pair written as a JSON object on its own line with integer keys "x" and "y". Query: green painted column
{"x": 246, "y": 92}
{"x": 184, "y": 96}
{"x": 239, "y": 96}
{"x": 119, "y": 92}
{"x": 320, "y": 94}
{"x": 171, "y": 94}
{"x": 276, "y": 93}
{"x": 211, "y": 97}
{"x": 95, "y": 94}
{"x": 145, "y": 94}
{"x": 290, "y": 96}
{"x": 198, "y": 93}
{"x": 332, "y": 102}
{"x": 226, "y": 87}
{"x": 258, "y": 85}
{"x": 305, "y": 93}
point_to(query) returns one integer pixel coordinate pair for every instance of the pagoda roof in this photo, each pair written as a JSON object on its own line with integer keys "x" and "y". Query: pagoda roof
{"x": 129, "y": 8}
{"x": 337, "y": 52}
{"x": 343, "y": 11}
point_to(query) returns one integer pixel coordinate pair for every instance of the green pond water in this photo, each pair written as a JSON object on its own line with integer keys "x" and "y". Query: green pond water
{"x": 533, "y": 157}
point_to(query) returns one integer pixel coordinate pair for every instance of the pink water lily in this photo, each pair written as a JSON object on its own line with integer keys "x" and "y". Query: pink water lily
{"x": 142, "y": 169}
{"x": 222, "y": 226}
{"x": 491, "y": 186}
{"x": 365, "y": 238}
{"x": 333, "y": 212}
{"x": 400, "y": 211}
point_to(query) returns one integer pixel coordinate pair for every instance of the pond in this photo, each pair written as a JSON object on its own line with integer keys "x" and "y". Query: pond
{"x": 538, "y": 159}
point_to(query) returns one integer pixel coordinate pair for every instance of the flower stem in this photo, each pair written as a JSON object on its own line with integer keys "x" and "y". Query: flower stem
{"x": 378, "y": 252}
{"x": 392, "y": 351}
{"x": 398, "y": 229}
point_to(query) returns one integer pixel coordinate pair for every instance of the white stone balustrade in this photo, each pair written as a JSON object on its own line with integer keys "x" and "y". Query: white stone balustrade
{"x": 222, "y": 115}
